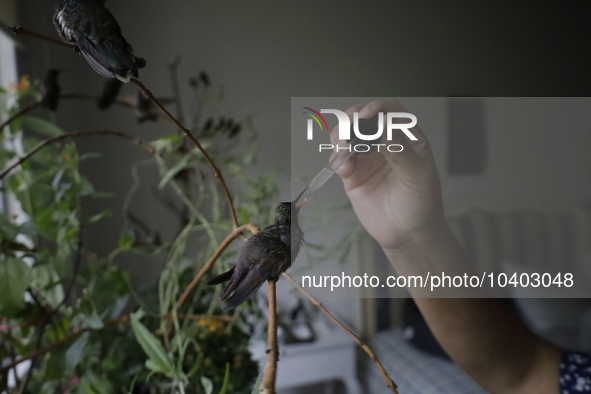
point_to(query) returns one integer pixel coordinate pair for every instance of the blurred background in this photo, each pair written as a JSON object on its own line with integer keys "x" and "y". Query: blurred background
{"x": 265, "y": 53}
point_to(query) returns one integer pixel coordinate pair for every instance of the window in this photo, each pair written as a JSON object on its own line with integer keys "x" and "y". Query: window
{"x": 8, "y": 74}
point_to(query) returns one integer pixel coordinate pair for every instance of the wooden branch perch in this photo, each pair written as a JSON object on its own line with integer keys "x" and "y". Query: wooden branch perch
{"x": 357, "y": 340}
{"x": 132, "y": 139}
{"x": 190, "y": 136}
{"x": 20, "y": 31}
{"x": 207, "y": 266}
{"x": 268, "y": 384}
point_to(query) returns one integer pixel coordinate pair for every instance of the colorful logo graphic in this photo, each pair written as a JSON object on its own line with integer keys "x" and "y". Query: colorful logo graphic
{"x": 315, "y": 116}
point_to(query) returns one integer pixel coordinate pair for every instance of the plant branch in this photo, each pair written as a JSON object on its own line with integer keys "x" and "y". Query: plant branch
{"x": 357, "y": 340}
{"x": 132, "y": 139}
{"x": 60, "y": 343}
{"x": 20, "y": 31}
{"x": 236, "y": 232}
{"x": 189, "y": 135}
{"x": 268, "y": 384}
{"x": 28, "y": 108}
{"x": 78, "y": 258}
{"x": 175, "y": 88}
{"x": 106, "y": 323}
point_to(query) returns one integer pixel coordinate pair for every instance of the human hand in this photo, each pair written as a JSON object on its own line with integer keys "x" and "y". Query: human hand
{"x": 396, "y": 196}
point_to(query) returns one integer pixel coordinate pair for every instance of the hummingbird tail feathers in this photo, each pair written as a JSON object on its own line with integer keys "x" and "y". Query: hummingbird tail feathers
{"x": 240, "y": 289}
{"x": 110, "y": 60}
{"x": 226, "y": 276}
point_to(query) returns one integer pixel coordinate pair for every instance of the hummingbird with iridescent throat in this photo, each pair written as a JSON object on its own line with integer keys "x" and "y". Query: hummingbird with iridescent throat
{"x": 91, "y": 26}
{"x": 264, "y": 256}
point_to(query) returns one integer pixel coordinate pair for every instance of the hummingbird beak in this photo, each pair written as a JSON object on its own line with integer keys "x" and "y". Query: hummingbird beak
{"x": 305, "y": 202}
{"x": 300, "y": 196}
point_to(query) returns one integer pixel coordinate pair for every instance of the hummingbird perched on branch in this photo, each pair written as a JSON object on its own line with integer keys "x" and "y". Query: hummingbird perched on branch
{"x": 89, "y": 25}
{"x": 264, "y": 256}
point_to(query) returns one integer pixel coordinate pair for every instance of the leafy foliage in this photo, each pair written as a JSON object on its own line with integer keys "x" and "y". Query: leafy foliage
{"x": 56, "y": 291}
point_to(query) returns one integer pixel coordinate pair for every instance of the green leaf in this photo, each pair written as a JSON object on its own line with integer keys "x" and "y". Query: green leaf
{"x": 93, "y": 321}
{"x": 197, "y": 365}
{"x": 244, "y": 215}
{"x": 76, "y": 351}
{"x": 255, "y": 389}
{"x": 28, "y": 228}
{"x": 152, "y": 366}
{"x": 15, "y": 277}
{"x": 58, "y": 329}
{"x": 56, "y": 364}
{"x": 153, "y": 348}
{"x": 207, "y": 384}
{"x": 16, "y": 125}
{"x": 44, "y": 219}
{"x": 174, "y": 170}
{"x": 46, "y": 282}
{"x": 102, "y": 215}
{"x": 226, "y": 379}
{"x": 90, "y": 155}
{"x": 125, "y": 242}
{"x": 87, "y": 387}
{"x": 7, "y": 229}
{"x": 164, "y": 142}
{"x": 41, "y": 126}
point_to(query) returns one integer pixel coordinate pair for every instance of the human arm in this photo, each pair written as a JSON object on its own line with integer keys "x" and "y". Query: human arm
{"x": 397, "y": 198}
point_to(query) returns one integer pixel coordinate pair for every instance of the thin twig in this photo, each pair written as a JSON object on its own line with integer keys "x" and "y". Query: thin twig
{"x": 183, "y": 316}
{"x": 357, "y": 340}
{"x": 78, "y": 259}
{"x": 268, "y": 384}
{"x": 78, "y": 96}
{"x": 25, "y": 380}
{"x": 189, "y": 135}
{"x": 106, "y": 323}
{"x": 132, "y": 139}
{"x": 8, "y": 327}
{"x": 22, "y": 111}
{"x": 207, "y": 266}
{"x": 61, "y": 342}
{"x": 19, "y": 30}
{"x": 175, "y": 88}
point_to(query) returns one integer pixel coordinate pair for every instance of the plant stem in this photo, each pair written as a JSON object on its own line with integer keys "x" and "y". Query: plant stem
{"x": 357, "y": 340}
{"x": 175, "y": 88}
{"x": 78, "y": 258}
{"x": 190, "y": 136}
{"x": 268, "y": 384}
{"x": 148, "y": 94}
{"x": 132, "y": 139}
{"x": 77, "y": 96}
{"x": 19, "y": 30}
{"x": 106, "y": 323}
{"x": 60, "y": 343}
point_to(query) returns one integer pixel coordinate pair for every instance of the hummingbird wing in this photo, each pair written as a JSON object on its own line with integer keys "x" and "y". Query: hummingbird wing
{"x": 241, "y": 288}
{"x": 260, "y": 259}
